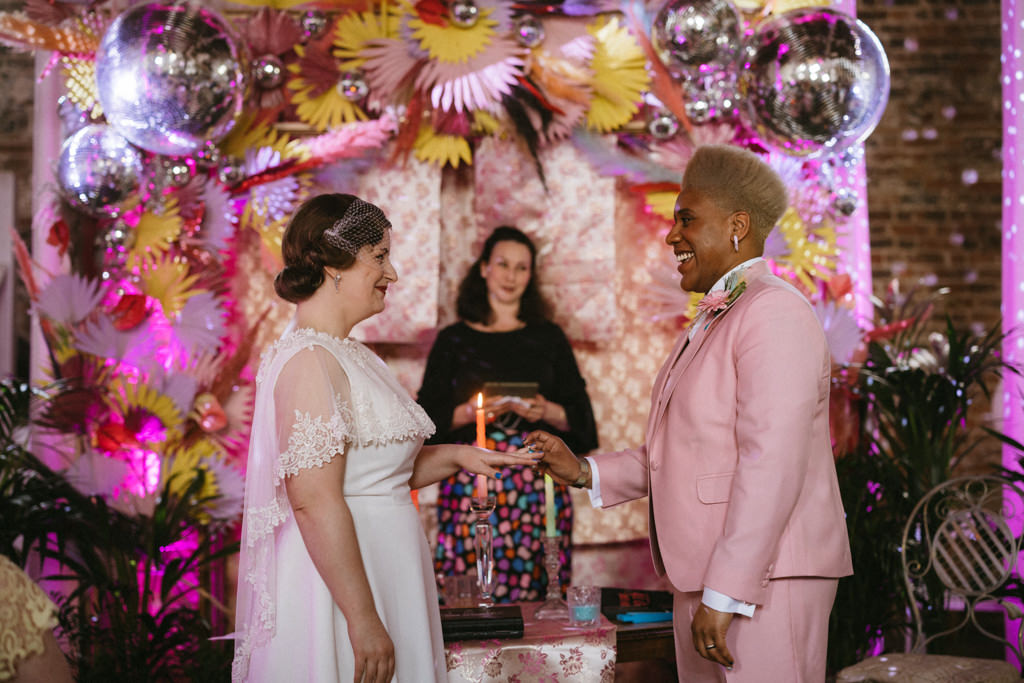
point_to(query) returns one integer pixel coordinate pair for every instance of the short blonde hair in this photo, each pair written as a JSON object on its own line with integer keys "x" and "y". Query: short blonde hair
{"x": 736, "y": 179}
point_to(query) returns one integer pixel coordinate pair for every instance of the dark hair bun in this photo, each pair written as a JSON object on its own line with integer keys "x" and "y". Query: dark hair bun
{"x": 299, "y": 281}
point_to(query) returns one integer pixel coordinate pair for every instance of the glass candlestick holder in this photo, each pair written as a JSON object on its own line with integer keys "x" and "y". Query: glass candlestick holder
{"x": 554, "y": 607}
{"x": 483, "y": 544}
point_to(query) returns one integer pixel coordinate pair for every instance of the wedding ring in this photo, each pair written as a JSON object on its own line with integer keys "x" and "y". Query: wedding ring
{"x": 709, "y": 647}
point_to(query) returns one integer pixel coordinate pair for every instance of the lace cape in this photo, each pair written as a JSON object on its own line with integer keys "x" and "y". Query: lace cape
{"x": 365, "y": 420}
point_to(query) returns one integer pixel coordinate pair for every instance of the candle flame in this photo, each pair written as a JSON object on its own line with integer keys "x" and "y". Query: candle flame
{"x": 480, "y": 400}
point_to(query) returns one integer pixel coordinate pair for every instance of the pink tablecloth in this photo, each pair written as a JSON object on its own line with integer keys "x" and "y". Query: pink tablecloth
{"x": 548, "y": 651}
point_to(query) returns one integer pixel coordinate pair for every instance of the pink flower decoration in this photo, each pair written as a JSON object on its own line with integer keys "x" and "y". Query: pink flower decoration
{"x": 714, "y": 302}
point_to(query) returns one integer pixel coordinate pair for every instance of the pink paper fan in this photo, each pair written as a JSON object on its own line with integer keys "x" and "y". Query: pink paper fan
{"x": 478, "y": 83}
{"x": 270, "y": 31}
{"x": 568, "y": 38}
{"x": 388, "y": 68}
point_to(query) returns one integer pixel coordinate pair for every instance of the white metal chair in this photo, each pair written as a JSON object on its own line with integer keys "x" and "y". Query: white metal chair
{"x": 959, "y": 539}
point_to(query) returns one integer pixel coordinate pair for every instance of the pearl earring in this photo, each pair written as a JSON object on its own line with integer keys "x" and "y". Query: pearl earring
{"x": 337, "y": 281}
{"x": 735, "y": 243}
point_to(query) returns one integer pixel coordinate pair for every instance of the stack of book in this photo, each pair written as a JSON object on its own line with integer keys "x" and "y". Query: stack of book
{"x": 632, "y": 605}
{"x": 481, "y": 623}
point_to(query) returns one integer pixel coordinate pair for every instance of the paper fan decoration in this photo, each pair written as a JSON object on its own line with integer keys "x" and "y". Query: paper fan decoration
{"x": 810, "y": 255}
{"x": 477, "y": 83}
{"x": 69, "y": 299}
{"x": 388, "y": 67}
{"x": 156, "y": 232}
{"x": 355, "y": 31}
{"x": 620, "y": 76}
{"x": 441, "y": 149}
{"x": 168, "y": 281}
{"x": 318, "y": 100}
{"x": 446, "y": 42}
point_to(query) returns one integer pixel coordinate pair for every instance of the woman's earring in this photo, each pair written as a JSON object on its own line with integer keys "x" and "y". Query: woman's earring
{"x": 735, "y": 243}
{"x": 337, "y": 280}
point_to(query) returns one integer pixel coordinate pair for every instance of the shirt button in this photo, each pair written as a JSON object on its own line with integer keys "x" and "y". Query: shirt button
{"x": 654, "y": 467}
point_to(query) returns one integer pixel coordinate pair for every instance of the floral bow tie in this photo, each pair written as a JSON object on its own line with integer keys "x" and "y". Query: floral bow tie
{"x": 717, "y": 301}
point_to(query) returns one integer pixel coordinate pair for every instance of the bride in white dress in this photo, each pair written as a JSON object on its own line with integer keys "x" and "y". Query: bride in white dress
{"x": 335, "y": 580}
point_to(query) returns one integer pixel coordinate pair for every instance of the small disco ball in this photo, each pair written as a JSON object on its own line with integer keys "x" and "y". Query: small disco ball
{"x": 170, "y": 77}
{"x": 98, "y": 170}
{"x": 815, "y": 79}
{"x": 352, "y": 86}
{"x": 463, "y": 13}
{"x": 663, "y": 125}
{"x": 313, "y": 24}
{"x": 698, "y": 36}
{"x": 529, "y": 31}
{"x": 268, "y": 72}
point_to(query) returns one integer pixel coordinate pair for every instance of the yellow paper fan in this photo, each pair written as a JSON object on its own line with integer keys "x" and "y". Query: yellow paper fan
{"x": 454, "y": 44}
{"x": 485, "y": 123}
{"x": 156, "y": 232}
{"x": 356, "y": 29}
{"x": 441, "y": 149}
{"x": 620, "y": 75}
{"x": 131, "y": 397}
{"x": 80, "y": 84}
{"x": 168, "y": 281}
{"x": 807, "y": 258}
{"x": 180, "y": 464}
{"x": 250, "y": 132}
{"x": 326, "y": 110}
{"x": 662, "y": 204}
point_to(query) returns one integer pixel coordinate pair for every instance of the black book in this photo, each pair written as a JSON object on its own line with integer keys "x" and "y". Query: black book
{"x": 616, "y": 601}
{"x": 480, "y": 623}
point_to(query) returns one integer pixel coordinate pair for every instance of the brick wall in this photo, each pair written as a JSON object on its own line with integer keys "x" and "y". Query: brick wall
{"x": 934, "y": 161}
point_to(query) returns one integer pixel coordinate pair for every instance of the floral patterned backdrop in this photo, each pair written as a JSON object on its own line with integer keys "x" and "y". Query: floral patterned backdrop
{"x": 191, "y": 133}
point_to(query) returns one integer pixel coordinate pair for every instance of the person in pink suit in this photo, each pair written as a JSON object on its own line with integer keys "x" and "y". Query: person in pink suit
{"x": 746, "y": 518}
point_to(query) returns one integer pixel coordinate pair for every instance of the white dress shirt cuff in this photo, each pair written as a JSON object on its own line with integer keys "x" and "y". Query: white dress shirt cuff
{"x": 595, "y": 485}
{"x": 723, "y": 603}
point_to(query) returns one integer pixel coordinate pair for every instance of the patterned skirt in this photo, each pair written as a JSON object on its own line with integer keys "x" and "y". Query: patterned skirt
{"x": 518, "y": 523}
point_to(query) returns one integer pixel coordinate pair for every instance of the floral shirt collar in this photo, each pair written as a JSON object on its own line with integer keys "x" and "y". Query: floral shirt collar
{"x": 724, "y": 292}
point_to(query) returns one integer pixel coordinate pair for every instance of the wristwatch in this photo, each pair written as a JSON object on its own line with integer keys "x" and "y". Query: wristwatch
{"x": 584, "y": 477}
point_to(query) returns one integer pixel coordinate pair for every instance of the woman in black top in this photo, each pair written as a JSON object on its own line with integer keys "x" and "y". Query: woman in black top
{"x": 504, "y": 335}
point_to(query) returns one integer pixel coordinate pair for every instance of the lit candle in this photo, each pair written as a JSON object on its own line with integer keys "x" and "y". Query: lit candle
{"x": 481, "y": 441}
{"x": 549, "y": 505}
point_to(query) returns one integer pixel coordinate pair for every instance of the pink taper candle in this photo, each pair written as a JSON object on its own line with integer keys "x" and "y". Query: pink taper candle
{"x": 481, "y": 441}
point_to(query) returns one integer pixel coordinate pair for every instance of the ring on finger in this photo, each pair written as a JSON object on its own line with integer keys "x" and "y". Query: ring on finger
{"x": 709, "y": 647}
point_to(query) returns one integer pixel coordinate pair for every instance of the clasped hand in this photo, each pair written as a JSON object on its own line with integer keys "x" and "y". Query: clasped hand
{"x": 556, "y": 458}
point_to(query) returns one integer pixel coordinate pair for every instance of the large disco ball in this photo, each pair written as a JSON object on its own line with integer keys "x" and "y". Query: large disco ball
{"x": 98, "y": 170}
{"x": 170, "y": 77}
{"x": 698, "y": 36}
{"x": 815, "y": 79}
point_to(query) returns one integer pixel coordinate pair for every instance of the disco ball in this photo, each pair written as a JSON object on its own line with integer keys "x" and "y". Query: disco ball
{"x": 170, "y": 77}
{"x": 698, "y": 36}
{"x": 98, "y": 170}
{"x": 815, "y": 79}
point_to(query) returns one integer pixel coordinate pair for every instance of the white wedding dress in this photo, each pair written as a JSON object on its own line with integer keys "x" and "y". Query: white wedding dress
{"x": 318, "y": 395}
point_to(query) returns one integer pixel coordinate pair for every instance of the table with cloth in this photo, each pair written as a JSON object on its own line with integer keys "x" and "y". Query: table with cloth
{"x": 549, "y": 650}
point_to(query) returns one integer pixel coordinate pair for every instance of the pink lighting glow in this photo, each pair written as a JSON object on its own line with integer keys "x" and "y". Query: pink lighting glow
{"x": 1013, "y": 221}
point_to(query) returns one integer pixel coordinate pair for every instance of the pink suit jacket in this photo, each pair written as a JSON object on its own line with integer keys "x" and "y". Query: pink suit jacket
{"x": 738, "y": 459}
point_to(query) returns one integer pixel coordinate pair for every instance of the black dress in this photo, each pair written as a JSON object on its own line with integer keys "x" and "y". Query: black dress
{"x": 461, "y": 361}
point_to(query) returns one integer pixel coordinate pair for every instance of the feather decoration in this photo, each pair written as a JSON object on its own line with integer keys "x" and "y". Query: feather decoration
{"x": 409, "y": 130}
{"x": 569, "y": 8}
{"x": 663, "y": 84}
{"x": 560, "y": 78}
{"x": 21, "y": 33}
{"x": 610, "y": 160}
{"x": 69, "y": 299}
{"x": 515, "y": 105}
{"x": 348, "y": 141}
